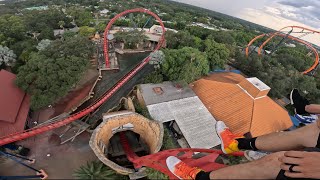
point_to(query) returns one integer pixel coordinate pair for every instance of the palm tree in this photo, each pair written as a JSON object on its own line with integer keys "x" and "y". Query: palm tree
{"x": 97, "y": 170}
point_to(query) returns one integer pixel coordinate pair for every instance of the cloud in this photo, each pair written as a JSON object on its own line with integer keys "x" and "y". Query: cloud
{"x": 299, "y": 11}
{"x": 300, "y": 4}
{"x": 271, "y": 18}
{"x": 304, "y": 11}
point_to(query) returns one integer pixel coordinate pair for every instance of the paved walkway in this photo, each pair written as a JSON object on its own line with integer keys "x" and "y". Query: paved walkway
{"x": 63, "y": 159}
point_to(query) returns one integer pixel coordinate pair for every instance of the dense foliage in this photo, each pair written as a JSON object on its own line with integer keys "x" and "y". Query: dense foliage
{"x": 49, "y": 74}
{"x": 130, "y": 38}
{"x": 186, "y": 64}
{"x": 7, "y": 57}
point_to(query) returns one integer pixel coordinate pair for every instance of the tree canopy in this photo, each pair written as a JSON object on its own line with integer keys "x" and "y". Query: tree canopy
{"x": 49, "y": 75}
{"x": 81, "y": 16}
{"x": 44, "y": 22}
{"x": 12, "y": 29}
{"x": 130, "y": 38}
{"x": 7, "y": 56}
{"x": 87, "y": 31}
{"x": 186, "y": 64}
{"x": 217, "y": 54}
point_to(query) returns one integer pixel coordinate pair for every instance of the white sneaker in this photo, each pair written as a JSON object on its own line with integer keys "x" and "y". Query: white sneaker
{"x": 229, "y": 144}
{"x": 180, "y": 169}
{"x": 254, "y": 155}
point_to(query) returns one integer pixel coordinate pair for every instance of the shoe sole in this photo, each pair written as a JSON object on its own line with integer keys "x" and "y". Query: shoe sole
{"x": 171, "y": 171}
{"x": 246, "y": 155}
{"x": 222, "y": 145}
{"x": 291, "y": 99}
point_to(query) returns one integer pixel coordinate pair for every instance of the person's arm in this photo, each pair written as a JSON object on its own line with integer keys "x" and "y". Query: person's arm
{"x": 313, "y": 108}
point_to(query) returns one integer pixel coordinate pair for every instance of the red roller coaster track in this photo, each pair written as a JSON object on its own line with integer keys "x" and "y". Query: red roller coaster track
{"x": 280, "y": 33}
{"x": 106, "y": 32}
{"x": 38, "y": 130}
{"x": 158, "y": 161}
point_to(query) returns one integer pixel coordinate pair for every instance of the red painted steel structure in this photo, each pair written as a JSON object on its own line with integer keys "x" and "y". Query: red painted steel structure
{"x": 137, "y": 10}
{"x": 280, "y": 33}
{"x": 38, "y": 130}
{"x": 158, "y": 161}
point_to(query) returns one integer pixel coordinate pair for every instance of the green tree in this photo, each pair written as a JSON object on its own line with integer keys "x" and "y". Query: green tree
{"x": 154, "y": 77}
{"x": 12, "y": 29}
{"x": 217, "y": 54}
{"x": 203, "y": 20}
{"x": 7, "y": 56}
{"x": 156, "y": 58}
{"x": 43, "y": 44}
{"x": 101, "y": 27}
{"x": 87, "y": 31}
{"x": 182, "y": 39}
{"x": 44, "y": 22}
{"x": 49, "y": 75}
{"x": 78, "y": 46}
{"x": 224, "y": 37}
{"x": 69, "y": 35}
{"x": 23, "y": 49}
{"x": 131, "y": 38}
{"x": 97, "y": 170}
{"x": 81, "y": 16}
{"x": 61, "y": 24}
{"x": 199, "y": 32}
{"x": 186, "y": 64}
{"x": 197, "y": 43}
{"x": 242, "y": 38}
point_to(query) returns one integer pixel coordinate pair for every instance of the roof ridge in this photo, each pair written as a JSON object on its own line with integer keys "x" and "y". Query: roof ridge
{"x": 214, "y": 81}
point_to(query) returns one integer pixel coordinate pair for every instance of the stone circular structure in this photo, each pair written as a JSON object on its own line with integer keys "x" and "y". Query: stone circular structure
{"x": 151, "y": 132}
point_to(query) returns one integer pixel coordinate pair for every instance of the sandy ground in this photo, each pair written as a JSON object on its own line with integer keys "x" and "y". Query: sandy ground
{"x": 63, "y": 159}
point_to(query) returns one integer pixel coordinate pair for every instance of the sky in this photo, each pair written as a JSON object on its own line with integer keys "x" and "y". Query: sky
{"x": 274, "y": 14}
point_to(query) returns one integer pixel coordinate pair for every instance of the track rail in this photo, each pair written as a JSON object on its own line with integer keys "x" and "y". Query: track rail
{"x": 157, "y": 161}
{"x": 113, "y": 20}
{"x": 38, "y": 130}
{"x": 282, "y": 34}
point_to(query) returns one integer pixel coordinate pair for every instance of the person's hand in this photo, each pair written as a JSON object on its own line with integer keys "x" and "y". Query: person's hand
{"x": 307, "y": 164}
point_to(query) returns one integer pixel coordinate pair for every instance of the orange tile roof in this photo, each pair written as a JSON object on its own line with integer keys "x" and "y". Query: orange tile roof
{"x": 228, "y": 102}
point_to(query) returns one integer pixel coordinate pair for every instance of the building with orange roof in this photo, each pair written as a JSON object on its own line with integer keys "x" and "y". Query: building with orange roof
{"x": 242, "y": 104}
